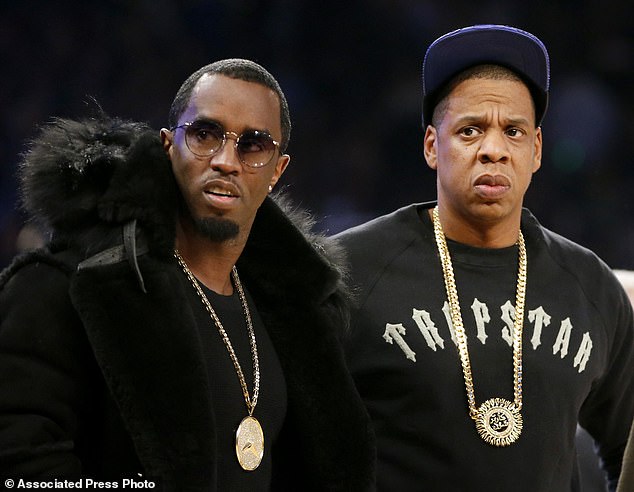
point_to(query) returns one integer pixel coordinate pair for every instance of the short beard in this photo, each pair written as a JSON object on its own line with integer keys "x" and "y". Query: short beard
{"x": 216, "y": 229}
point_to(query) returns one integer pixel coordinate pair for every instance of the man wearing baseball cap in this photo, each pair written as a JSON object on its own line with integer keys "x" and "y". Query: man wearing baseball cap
{"x": 481, "y": 339}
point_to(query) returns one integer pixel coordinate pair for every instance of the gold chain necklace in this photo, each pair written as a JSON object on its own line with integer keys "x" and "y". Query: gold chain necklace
{"x": 498, "y": 421}
{"x": 249, "y": 436}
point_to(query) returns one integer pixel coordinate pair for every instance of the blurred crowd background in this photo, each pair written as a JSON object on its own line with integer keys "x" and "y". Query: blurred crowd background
{"x": 351, "y": 73}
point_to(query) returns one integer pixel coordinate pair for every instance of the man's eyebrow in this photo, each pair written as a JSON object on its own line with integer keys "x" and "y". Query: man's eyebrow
{"x": 469, "y": 118}
{"x": 211, "y": 120}
{"x": 518, "y": 121}
{"x": 204, "y": 119}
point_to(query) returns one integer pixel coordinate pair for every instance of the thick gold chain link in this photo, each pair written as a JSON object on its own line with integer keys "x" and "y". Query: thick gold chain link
{"x": 456, "y": 316}
{"x": 251, "y": 402}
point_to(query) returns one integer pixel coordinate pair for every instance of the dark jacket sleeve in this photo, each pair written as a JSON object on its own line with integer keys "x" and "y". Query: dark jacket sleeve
{"x": 607, "y": 412}
{"x": 45, "y": 365}
{"x": 626, "y": 480}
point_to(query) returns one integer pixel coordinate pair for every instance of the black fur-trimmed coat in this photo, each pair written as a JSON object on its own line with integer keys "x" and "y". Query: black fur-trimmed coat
{"x": 100, "y": 371}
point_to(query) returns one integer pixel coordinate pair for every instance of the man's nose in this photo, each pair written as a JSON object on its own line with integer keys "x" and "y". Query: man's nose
{"x": 494, "y": 147}
{"x": 227, "y": 159}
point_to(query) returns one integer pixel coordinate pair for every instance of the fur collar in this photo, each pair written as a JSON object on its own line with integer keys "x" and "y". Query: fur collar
{"x": 82, "y": 179}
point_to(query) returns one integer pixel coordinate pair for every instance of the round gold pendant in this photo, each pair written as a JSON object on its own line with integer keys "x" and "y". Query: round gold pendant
{"x": 249, "y": 443}
{"x": 498, "y": 422}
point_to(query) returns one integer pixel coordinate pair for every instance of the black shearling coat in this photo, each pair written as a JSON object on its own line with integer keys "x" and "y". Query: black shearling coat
{"x": 101, "y": 371}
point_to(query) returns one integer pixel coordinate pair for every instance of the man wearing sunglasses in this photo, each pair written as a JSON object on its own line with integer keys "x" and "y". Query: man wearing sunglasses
{"x": 180, "y": 327}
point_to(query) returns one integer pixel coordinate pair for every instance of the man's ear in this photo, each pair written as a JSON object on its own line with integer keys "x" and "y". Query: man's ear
{"x": 166, "y": 139}
{"x": 280, "y": 166}
{"x": 538, "y": 150}
{"x": 430, "y": 149}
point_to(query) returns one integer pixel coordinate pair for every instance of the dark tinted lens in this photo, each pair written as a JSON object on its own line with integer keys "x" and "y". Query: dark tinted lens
{"x": 256, "y": 148}
{"x": 204, "y": 138}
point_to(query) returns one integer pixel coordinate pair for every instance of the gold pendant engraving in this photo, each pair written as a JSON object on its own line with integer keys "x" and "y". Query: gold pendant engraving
{"x": 249, "y": 443}
{"x": 499, "y": 422}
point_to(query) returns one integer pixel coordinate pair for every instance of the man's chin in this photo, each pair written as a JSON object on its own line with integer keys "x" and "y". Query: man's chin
{"x": 217, "y": 229}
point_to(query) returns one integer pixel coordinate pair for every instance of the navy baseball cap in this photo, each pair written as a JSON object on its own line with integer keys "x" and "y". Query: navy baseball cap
{"x": 454, "y": 52}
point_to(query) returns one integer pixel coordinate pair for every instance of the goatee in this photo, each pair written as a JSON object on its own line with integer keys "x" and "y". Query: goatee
{"x": 217, "y": 229}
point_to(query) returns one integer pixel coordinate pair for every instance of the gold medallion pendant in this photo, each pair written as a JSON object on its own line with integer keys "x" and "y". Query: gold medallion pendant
{"x": 499, "y": 422}
{"x": 249, "y": 443}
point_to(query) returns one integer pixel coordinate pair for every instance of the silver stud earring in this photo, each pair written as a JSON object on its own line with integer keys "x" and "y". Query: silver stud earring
{"x": 270, "y": 188}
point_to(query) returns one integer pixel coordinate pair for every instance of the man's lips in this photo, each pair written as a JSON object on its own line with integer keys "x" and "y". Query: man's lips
{"x": 221, "y": 191}
{"x": 492, "y": 186}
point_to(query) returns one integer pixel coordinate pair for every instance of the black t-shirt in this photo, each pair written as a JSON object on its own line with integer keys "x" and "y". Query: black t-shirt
{"x": 226, "y": 392}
